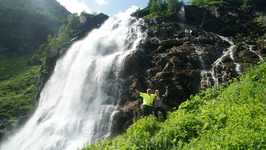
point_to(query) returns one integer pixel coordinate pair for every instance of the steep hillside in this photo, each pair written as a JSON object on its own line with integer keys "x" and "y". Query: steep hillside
{"x": 24, "y": 25}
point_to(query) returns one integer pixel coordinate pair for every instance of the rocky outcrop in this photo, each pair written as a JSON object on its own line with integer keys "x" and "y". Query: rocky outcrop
{"x": 229, "y": 21}
{"x": 188, "y": 51}
{"x": 91, "y": 23}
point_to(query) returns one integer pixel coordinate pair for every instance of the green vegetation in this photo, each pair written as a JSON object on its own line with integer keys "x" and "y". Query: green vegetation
{"x": 186, "y": 44}
{"x": 154, "y": 27}
{"x": 157, "y": 8}
{"x": 70, "y": 30}
{"x": 42, "y": 18}
{"x": 234, "y": 3}
{"x": 26, "y": 24}
{"x": 17, "y": 93}
{"x": 225, "y": 118}
{"x": 257, "y": 20}
{"x": 27, "y": 8}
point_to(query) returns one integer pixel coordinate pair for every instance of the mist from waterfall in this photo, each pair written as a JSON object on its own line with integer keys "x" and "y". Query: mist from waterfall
{"x": 77, "y": 103}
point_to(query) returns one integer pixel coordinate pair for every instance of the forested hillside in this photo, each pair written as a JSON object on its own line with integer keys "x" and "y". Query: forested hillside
{"x": 158, "y": 8}
{"x": 234, "y": 3}
{"x": 24, "y": 25}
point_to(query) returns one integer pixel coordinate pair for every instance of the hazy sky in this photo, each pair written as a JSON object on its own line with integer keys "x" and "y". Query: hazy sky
{"x": 113, "y": 8}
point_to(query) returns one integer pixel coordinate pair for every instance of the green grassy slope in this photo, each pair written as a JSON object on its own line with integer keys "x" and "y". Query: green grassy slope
{"x": 17, "y": 93}
{"x": 226, "y": 118}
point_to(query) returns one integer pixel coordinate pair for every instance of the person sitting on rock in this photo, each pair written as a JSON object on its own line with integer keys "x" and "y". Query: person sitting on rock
{"x": 158, "y": 103}
{"x": 147, "y": 101}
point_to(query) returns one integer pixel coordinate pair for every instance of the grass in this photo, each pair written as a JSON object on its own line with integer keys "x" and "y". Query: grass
{"x": 17, "y": 93}
{"x": 225, "y": 118}
{"x": 13, "y": 65}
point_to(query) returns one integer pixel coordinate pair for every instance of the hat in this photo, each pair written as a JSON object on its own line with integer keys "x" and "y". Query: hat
{"x": 156, "y": 90}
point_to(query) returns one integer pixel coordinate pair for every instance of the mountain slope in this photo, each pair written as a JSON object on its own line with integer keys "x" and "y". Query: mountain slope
{"x": 24, "y": 25}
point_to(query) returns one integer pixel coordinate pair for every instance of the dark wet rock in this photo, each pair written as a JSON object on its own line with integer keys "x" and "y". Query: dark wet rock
{"x": 157, "y": 21}
{"x": 242, "y": 54}
{"x": 263, "y": 21}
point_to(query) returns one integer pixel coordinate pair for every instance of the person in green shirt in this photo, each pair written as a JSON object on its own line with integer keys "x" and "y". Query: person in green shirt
{"x": 147, "y": 101}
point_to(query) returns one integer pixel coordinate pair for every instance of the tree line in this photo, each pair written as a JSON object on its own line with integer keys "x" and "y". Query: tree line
{"x": 158, "y": 8}
{"x": 234, "y": 3}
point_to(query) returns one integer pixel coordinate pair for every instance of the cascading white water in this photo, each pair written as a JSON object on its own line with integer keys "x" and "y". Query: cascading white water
{"x": 203, "y": 19}
{"x": 261, "y": 58}
{"x": 230, "y": 53}
{"x": 78, "y": 102}
{"x": 207, "y": 75}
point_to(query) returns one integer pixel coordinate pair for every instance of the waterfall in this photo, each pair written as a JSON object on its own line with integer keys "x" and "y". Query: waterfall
{"x": 207, "y": 76}
{"x": 203, "y": 18}
{"x": 79, "y": 100}
{"x": 230, "y": 53}
{"x": 261, "y": 58}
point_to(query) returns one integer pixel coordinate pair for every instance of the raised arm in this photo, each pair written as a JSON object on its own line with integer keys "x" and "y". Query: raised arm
{"x": 166, "y": 93}
{"x": 136, "y": 90}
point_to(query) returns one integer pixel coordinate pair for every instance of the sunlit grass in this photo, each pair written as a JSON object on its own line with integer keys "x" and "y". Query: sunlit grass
{"x": 17, "y": 93}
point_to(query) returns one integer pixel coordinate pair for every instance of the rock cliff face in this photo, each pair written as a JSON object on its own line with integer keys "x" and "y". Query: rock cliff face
{"x": 190, "y": 50}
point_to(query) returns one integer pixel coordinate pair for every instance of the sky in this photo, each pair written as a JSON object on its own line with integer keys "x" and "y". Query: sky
{"x": 112, "y": 8}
